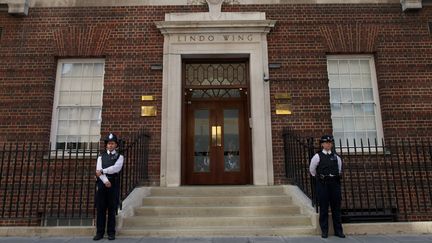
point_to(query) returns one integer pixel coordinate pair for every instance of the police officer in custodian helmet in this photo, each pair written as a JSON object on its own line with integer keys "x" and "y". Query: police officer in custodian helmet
{"x": 326, "y": 167}
{"x": 108, "y": 166}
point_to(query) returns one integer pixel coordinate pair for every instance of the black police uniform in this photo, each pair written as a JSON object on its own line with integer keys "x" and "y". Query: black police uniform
{"x": 107, "y": 198}
{"x": 328, "y": 187}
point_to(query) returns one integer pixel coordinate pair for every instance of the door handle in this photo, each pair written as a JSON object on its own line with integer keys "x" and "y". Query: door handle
{"x": 214, "y": 137}
{"x": 217, "y": 136}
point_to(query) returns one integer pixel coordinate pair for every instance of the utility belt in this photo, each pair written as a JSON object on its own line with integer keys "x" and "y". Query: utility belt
{"x": 328, "y": 177}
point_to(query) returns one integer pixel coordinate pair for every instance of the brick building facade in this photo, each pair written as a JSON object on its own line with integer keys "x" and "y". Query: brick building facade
{"x": 307, "y": 41}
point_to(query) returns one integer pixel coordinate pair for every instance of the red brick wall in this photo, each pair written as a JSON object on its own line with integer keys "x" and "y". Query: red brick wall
{"x": 130, "y": 42}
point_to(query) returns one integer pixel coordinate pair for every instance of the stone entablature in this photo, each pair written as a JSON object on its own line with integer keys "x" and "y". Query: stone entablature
{"x": 21, "y": 6}
{"x": 82, "y": 3}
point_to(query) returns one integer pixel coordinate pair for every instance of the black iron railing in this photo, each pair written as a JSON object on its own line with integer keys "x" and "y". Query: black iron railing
{"x": 298, "y": 152}
{"x": 382, "y": 180}
{"x": 44, "y": 187}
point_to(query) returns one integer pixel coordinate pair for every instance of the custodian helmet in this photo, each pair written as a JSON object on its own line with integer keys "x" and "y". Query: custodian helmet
{"x": 111, "y": 138}
{"x": 327, "y": 138}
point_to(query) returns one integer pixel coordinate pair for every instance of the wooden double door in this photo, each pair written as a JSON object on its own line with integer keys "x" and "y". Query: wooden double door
{"x": 217, "y": 143}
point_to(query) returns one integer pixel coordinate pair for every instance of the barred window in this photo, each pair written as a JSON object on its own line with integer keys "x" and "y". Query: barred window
{"x": 78, "y": 104}
{"x": 354, "y": 99}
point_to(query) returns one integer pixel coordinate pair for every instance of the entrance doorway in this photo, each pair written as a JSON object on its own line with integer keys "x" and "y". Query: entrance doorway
{"x": 216, "y": 132}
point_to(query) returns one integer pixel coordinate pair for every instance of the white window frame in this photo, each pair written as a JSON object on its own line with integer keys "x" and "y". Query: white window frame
{"x": 378, "y": 118}
{"x": 54, "y": 120}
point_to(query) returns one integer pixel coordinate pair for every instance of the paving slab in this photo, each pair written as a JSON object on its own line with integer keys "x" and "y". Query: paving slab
{"x": 306, "y": 239}
{"x": 194, "y": 240}
{"x": 82, "y": 240}
{"x": 411, "y": 238}
{"x": 230, "y": 240}
{"x": 348, "y": 239}
{"x": 299, "y": 239}
{"x": 18, "y": 240}
{"x": 373, "y": 239}
{"x": 54, "y": 240}
{"x": 157, "y": 240}
{"x": 267, "y": 240}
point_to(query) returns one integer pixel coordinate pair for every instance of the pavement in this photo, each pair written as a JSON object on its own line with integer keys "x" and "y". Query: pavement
{"x": 306, "y": 239}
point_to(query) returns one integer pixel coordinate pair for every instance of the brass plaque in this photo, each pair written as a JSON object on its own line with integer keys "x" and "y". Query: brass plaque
{"x": 283, "y": 109}
{"x": 147, "y": 97}
{"x": 282, "y": 96}
{"x": 148, "y": 111}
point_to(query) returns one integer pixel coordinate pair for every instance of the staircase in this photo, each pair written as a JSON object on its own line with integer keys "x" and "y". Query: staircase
{"x": 218, "y": 211}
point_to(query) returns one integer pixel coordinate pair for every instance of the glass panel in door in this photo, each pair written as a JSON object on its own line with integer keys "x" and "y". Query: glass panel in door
{"x": 231, "y": 140}
{"x": 202, "y": 141}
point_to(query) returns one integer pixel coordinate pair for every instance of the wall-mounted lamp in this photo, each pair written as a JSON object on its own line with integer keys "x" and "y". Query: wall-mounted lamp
{"x": 15, "y": 7}
{"x": 275, "y": 65}
{"x": 156, "y": 67}
{"x": 266, "y": 78}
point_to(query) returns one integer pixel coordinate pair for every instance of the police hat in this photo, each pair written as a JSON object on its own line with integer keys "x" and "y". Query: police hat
{"x": 326, "y": 138}
{"x": 111, "y": 138}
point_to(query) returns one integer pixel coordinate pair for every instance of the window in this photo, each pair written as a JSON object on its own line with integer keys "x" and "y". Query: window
{"x": 78, "y": 104}
{"x": 354, "y": 100}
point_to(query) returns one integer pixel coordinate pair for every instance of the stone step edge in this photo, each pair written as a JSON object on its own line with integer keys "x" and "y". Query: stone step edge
{"x": 230, "y": 228}
{"x": 220, "y": 232}
{"x": 218, "y": 217}
{"x": 221, "y": 207}
{"x": 221, "y": 196}
{"x": 218, "y": 191}
{"x": 217, "y": 187}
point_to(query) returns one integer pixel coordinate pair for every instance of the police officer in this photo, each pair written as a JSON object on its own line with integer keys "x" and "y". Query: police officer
{"x": 108, "y": 165}
{"x": 326, "y": 167}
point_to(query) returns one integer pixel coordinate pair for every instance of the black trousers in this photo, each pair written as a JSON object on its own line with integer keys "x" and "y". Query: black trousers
{"x": 329, "y": 192}
{"x": 106, "y": 200}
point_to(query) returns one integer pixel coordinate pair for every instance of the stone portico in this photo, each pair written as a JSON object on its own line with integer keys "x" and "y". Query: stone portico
{"x": 222, "y": 34}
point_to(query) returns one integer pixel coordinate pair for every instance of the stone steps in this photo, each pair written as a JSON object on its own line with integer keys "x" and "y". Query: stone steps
{"x": 264, "y": 221}
{"x": 203, "y": 191}
{"x": 216, "y": 201}
{"x": 218, "y": 231}
{"x": 217, "y": 211}
{"x": 222, "y": 211}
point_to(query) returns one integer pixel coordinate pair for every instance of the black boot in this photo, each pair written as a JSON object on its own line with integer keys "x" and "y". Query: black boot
{"x": 98, "y": 237}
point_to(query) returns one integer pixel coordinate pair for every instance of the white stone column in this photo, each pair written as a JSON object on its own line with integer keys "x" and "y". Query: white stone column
{"x": 171, "y": 118}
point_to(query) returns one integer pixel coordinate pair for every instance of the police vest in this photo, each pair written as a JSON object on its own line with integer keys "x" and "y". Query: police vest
{"x": 109, "y": 160}
{"x": 328, "y": 164}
